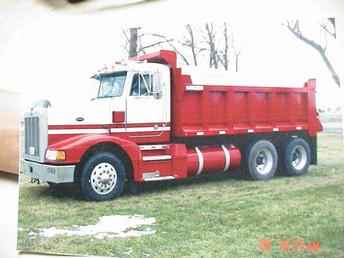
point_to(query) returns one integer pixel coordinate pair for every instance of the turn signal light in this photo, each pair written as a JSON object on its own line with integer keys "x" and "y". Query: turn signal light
{"x": 55, "y": 155}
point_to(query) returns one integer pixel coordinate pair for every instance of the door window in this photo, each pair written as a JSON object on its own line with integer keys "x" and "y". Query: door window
{"x": 142, "y": 85}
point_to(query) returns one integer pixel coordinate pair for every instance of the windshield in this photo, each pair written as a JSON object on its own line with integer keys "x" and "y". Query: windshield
{"x": 111, "y": 85}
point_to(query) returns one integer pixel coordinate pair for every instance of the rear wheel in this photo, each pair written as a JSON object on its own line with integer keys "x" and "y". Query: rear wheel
{"x": 296, "y": 157}
{"x": 102, "y": 177}
{"x": 261, "y": 160}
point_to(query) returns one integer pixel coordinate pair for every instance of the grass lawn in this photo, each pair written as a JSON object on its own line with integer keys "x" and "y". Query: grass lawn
{"x": 212, "y": 216}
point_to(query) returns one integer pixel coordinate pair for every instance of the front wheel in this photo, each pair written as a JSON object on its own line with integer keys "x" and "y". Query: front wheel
{"x": 296, "y": 158}
{"x": 102, "y": 177}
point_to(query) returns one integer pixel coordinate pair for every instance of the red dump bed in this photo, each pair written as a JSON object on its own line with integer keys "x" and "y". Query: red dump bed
{"x": 224, "y": 109}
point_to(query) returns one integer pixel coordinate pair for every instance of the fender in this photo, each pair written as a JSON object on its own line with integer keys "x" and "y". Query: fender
{"x": 75, "y": 147}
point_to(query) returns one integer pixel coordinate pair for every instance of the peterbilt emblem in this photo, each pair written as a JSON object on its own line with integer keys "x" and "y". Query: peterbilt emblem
{"x": 79, "y": 119}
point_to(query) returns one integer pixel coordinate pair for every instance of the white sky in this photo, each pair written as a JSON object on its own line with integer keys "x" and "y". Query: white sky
{"x": 51, "y": 54}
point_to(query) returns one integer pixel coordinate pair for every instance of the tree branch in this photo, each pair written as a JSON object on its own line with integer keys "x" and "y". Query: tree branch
{"x": 295, "y": 30}
{"x": 172, "y": 46}
{"x": 324, "y": 27}
{"x": 125, "y": 35}
{"x": 156, "y": 43}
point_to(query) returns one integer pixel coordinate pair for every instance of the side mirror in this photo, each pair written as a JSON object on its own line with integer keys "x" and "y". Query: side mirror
{"x": 158, "y": 86}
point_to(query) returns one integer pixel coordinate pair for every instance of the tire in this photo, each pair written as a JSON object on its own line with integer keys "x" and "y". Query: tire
{"x": 102, "y": 177}
{"x": 53, "y": 187}
{"x": 261, "y": 160}
{"x": 296, "y": 157}
{"x": 75, "y": 1}
{"x": 135, "y": 188}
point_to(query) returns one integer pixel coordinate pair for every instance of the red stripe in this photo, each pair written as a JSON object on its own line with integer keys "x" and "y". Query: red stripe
{"x": 138, "y": 137}
{"x": 52, "y": 127}
{"x": 147, "y": 124}
{"x": 105, "y": 126}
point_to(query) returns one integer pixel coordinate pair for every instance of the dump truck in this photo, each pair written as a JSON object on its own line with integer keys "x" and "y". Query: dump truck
{"x": 150, "y": 122}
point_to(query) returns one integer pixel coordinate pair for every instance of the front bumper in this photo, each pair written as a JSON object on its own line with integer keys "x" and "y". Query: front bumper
{"x": 48, "y": 173}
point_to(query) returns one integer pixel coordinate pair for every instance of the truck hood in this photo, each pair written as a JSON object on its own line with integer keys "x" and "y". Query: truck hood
{"x": 92, "y": 112}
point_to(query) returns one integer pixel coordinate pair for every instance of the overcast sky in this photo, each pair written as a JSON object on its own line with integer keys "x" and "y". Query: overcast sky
{"x": 51, "y": 54}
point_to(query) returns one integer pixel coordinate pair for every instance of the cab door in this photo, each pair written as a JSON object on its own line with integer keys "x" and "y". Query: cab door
{"x": 148, "y": 106}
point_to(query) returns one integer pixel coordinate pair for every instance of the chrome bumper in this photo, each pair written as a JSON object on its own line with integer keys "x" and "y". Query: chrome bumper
{"x": 48, "y": 173}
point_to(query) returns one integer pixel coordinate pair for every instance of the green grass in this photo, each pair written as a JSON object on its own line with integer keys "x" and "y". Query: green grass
{"x": 212, "y": 216}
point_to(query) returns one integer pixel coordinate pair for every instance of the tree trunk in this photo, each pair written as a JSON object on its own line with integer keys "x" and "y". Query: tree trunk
{"x": 192, "y": 44}
{"x": 330, "y": 67}
{"x": 225, "y": 55}
{"x": 237, "y": 62}
{"x": 212, "y": 49}
{"x": 133, "y": 42}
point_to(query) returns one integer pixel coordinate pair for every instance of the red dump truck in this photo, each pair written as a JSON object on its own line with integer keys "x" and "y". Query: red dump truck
{"x": 150, "y": 122}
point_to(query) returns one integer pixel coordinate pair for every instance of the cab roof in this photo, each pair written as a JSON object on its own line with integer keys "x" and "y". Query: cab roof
{"x": 129, "y": 65}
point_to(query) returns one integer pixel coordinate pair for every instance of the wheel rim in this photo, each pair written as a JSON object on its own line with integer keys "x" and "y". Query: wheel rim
{"x": 299, "y": 157}
{"x": 103, "y": 178}
{"x": 264, "y": 161}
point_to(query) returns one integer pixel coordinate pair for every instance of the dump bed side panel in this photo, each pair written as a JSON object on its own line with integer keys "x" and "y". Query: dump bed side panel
{"x": 216, "y": 110}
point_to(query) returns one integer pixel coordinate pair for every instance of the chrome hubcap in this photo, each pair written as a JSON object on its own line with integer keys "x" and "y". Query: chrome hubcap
{"x": 299, "y": 157}
{"x": 264, "y": 161}
{"x": 103, "y": 178}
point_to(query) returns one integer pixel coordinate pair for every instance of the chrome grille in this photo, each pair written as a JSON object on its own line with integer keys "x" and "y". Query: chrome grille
{"x": 32, "y": 136}
{"x": 35, "y": 135}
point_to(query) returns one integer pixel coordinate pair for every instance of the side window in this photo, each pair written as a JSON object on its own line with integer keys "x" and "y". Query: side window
{"x": 135, "y": 86}
{"x": 142, "y": 85}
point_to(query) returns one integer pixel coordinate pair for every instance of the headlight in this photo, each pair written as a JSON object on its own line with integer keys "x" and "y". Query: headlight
{"x": 55, "y": 155}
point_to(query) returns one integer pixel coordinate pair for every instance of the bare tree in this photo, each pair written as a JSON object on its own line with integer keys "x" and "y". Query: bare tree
{"x": 294, "y": 28}
{"x": 220, "y": 47}
{"x": 223, "y": 56}
{"x": 236, "y": 53}
{"x": 211, "y": 35}
{"x": 191, "y": 43}
{"x": 217, "y": 46}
